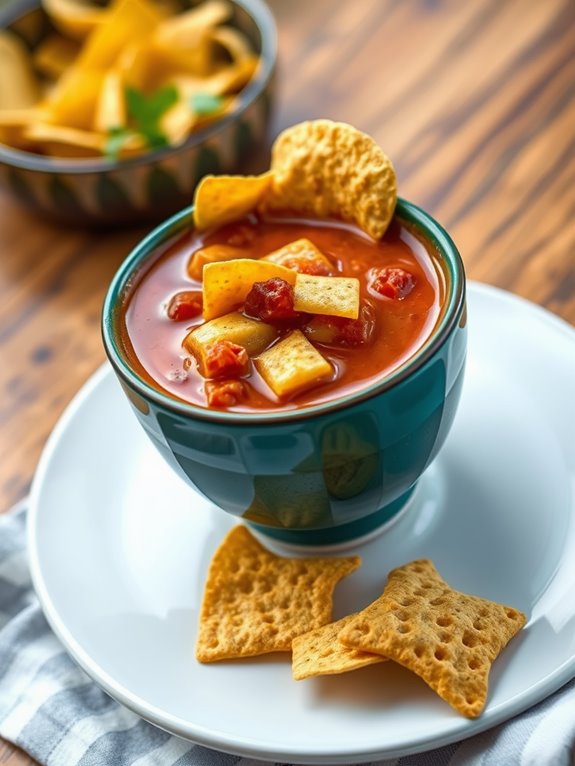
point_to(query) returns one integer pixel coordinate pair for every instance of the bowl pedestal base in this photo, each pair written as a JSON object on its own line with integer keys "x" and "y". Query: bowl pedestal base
{"x": 336, "y": 538}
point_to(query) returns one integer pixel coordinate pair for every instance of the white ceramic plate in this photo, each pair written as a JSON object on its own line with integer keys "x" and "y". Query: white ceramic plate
{"x": 120, "y": 547}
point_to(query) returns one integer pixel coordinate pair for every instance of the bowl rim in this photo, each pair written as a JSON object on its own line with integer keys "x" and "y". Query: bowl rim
{"x": 406, "y": 211}
{"x": 264, "y": 21}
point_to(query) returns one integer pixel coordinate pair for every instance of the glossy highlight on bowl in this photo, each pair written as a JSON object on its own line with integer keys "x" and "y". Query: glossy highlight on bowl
{"x": 321, "y": 474}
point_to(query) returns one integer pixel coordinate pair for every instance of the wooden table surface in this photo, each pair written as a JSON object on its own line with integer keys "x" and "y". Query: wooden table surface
{"x": 475, "y": 104}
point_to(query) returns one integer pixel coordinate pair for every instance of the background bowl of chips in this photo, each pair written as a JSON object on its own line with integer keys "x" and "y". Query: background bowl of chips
{"x": 321, "y": 474}
{"x": 153, "y": 184}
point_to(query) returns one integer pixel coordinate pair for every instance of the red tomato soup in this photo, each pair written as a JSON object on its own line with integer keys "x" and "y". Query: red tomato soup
{"x": 402, "y": 291}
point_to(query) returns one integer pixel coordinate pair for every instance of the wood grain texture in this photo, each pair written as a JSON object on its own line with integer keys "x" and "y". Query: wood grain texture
{"x": 475, "y": 103}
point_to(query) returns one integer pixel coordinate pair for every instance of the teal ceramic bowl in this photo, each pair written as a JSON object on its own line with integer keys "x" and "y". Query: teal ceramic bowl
{"x": 322, "y": 474}
{"x": 102, "y": 192}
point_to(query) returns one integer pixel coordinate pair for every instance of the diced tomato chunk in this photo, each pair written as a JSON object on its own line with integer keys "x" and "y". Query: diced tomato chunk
{"x": 225, "y": 359}
{"x": 393, "y": 283}
{"x": 225, "y": 393}
{"x": 185, "y": 305}
{"x": 271, "y": 301}
{"x": 339, "y": 331}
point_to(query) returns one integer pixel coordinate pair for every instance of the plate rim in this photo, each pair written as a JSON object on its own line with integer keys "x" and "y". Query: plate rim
{"x": 247, "y": 747}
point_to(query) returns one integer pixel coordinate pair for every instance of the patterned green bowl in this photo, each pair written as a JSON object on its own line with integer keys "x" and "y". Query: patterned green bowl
{"x": 157, "y": 184}
{"x": 322, "y": 474}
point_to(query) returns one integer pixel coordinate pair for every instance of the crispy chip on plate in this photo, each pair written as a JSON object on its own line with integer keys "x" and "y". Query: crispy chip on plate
{"x": 448, "y": 638}
{"x": 256, "y": 602}
{"x": 321, "y": 653}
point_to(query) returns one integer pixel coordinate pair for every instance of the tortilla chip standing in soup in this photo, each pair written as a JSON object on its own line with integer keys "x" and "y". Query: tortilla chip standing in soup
{"x": 277, "y": 300}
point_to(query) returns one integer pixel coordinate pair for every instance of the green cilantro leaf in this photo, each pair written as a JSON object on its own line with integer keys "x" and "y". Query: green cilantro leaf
{"x": 115, "y": 140}
{"x": 155, "y": 138}
{"x": 205, "y": 104}
{"x": 146, "y": 110}
{"x": 144, "y": 113}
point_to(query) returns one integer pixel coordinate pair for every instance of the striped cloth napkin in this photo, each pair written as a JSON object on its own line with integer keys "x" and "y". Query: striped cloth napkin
{"x": 51, "y": 708}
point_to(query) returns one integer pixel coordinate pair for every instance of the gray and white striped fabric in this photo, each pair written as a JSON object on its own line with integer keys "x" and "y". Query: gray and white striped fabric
{"x": 51, "y": 708}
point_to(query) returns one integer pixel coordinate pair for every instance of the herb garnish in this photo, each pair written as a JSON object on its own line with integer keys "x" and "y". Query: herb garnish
{"x": 205, "y": 104}
{"x": 144, "y": 113}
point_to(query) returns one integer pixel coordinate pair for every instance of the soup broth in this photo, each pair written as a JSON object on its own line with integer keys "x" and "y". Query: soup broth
{"x": 402, "y": 292}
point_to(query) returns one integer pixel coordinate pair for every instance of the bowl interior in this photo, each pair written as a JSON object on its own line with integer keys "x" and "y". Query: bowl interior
{"x": 149, "y": 249}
